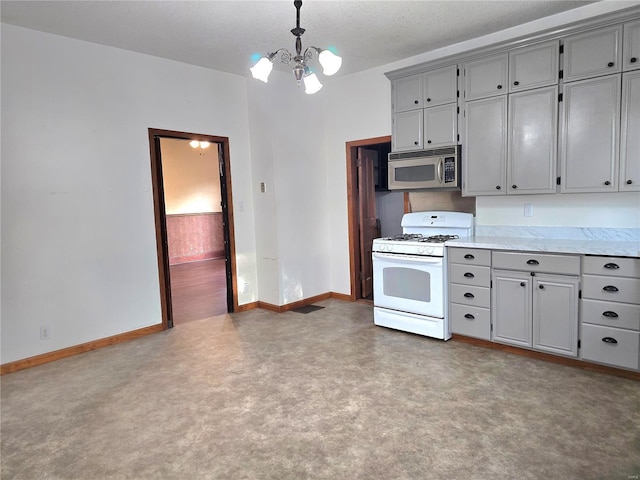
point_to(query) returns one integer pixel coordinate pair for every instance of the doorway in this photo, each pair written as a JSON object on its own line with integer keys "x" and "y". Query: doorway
{"x": 366, "y": 174}
{"x": 202, "y": 288}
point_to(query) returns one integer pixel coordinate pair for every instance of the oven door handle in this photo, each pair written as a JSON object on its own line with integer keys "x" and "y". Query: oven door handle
{"x": 408, "y": 258}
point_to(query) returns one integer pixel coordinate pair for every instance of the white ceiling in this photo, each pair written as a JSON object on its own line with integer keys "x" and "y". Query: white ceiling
{"x": 223, "y": 35}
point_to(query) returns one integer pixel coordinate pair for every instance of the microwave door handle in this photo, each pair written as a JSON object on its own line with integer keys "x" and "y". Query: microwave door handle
{"x": 440, "y": 165}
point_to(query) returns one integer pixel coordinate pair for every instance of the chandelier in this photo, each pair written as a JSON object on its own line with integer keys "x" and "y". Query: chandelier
{"x": 330, "y": 62}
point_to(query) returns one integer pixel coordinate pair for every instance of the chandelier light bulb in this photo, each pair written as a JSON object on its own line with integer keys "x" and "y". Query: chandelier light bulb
{"x": 262, "y": 69}
{"x": 311, "y": 84}
{"x": 194, "y": 143}
{"x": 204, "y": 144}
{"x": 330, "y": 62}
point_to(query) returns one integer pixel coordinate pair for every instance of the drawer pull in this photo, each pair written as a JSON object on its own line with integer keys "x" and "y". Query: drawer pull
{"x": 469, "y": 316}
{"x": 611, "y": 266}
{"x": 610, "y": 288}
{"x": 469, "y": 295}
{"x": 533, "y": 262}
{"x": 468, "y": 256}
{"x": 610, "y": 314}
{"x": 610, "y": 340}
{"x": 469, "y": 275}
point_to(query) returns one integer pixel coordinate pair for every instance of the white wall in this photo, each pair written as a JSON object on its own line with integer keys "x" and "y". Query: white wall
{"x": 292, "y": 230}
{"x": 359, "y": 107}
{"x": 78, "y": 233}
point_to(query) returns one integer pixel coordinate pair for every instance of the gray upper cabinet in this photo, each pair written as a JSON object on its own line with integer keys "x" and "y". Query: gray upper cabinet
{"x": 485, "y": 77}
{"x": 440, "y": 126}
{"x": 440, "y": 86}
{"x": 590, "y": 128}
{"x": 485, "y": 147}
{"x": 631, "y": 48}
{"x": 407, "y": 93}
{"x": 532, "y": 146}
{"x": 630, "y": 137}
{"x": 407, "y": 131}
{"x": 534, "y": 66}
{"x": 594, "y": 53}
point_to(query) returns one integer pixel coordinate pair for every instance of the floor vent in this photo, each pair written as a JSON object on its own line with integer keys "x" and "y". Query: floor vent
{"x": 307, "y": 309}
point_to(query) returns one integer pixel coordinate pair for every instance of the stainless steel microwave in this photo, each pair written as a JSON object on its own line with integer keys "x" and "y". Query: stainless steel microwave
{"x": 438, "y": 168}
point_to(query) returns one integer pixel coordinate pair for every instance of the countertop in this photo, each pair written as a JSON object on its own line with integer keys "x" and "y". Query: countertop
{"x": 629, "y": 248}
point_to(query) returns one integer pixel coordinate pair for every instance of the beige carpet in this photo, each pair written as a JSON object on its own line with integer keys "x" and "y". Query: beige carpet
{"x": 326, "y": 395}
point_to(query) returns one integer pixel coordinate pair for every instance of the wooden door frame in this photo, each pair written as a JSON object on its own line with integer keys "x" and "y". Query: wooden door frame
{"x": 352, "y": 211}
{"x": 161, "y": 223}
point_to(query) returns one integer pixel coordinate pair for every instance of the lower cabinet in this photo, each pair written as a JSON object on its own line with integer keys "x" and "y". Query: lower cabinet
{"x": 539, "y": 311}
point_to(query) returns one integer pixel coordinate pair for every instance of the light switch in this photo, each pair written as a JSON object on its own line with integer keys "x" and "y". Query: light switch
{"x": 263, "y": 187}
{"x": 528, "y": 210}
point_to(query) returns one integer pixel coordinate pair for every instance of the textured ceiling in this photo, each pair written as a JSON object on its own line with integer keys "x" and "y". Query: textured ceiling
{"x": 223, "y": 35}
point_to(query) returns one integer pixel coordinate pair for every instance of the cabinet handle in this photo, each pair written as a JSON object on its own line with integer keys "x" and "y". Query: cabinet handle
{"x": 416, "y": 102}
{"x": 610, "y": 64}
{"x": 469, "y": 275}
{"x": 607, "y": 182}
{"x": 516, "y": 83}
{"x": 541, "y": 287}
{"x": 428, "y": 99}
{"x": 499, "y": 87}
{"x": 610, "y": 340}
{"x": 610, "y": 314}
{"x": 611, "y": 266}
{"x": 610, "y": 288}
{"x": 533, "y": 262}
{"x": 522, "y": 284}
{"x": 514, "y": 186}
{"x": 533, "y": 274}
{"x": 469, "y": 316}
{"x": 469, "y": 295}
{"x": 428, "y": 141}
{"x": 633, "y": 60}
{"x": 415, "y": 143}
{"x": 498, "y": 187}
{"x": 629, "y": 182}
{"x": 468, "y": 256}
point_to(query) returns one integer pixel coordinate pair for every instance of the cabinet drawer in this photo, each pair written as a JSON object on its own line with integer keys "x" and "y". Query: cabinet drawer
{"x": 612, "y": 346}
{"x": 612, "y": 289}
{"x": 471, "y": 321}
{"x": 613, "y": 266}
{"x": 536, "y": 262}
{"x": 470, "y": 295}
{"x": 611, "y": 314}
{"x": 470, "y": 256}
{"x": 470, "y": 275}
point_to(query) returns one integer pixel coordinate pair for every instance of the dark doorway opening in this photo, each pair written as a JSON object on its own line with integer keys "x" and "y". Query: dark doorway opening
{"x": 221, "y": 166}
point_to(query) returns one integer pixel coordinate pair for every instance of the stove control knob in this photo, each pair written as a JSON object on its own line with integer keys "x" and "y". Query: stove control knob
{"x": 421, "y": 250}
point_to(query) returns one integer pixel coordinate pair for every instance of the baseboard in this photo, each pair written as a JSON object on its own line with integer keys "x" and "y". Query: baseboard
{"x": 343, "y": 297}
{"x": 76, "y": 349}
{"x": 572, "y": 362}
{"x": 246, "y": 307}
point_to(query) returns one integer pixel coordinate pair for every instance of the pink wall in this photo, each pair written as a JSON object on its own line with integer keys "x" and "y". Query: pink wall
{"x": 195, "y": 236}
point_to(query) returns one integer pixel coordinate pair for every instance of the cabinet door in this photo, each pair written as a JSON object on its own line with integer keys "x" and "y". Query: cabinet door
{"x": 407, "y": 131}
{"x": 485, "y": 77}
{"x": 630, "y": 138}
{"x": 485, "y": 147}
{"x": 407, "y": 93}
{"x": 440, "y": 126}
{"x": 631, "y": 48}
{"x": 511, "y": 307}
{"x": 590, "y": 125}
{"x": 533, "y": 122}
{"x": 555, "y": 314}
{"x": 535, "y": 66}
{"x": 592, "y": 53}
{"x": 440, "y": 86}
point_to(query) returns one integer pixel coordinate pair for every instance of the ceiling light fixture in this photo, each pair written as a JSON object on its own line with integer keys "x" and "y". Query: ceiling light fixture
{"x": 330, "y": 62}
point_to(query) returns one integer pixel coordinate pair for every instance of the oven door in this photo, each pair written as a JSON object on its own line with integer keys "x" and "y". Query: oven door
{"x": 409, "y": 283}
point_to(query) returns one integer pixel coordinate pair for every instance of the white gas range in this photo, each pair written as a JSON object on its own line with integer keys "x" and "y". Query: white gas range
{"x": 410, "y": 274}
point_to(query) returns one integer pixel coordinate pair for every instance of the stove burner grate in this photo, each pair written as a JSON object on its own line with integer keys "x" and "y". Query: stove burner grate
{"x": 438, "y": 238}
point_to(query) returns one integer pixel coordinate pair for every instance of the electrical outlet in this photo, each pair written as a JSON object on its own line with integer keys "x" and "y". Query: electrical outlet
{"x": 44, "y": 332}
{"x": 263, "y": 187}
{"x": 528, "y": 210}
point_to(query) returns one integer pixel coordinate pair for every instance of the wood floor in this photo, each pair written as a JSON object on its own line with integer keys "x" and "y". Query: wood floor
{"x": 198, "y": 290}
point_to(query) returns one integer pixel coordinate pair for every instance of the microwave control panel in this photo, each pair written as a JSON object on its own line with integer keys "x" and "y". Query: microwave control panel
{"x": 449, "y": 169}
